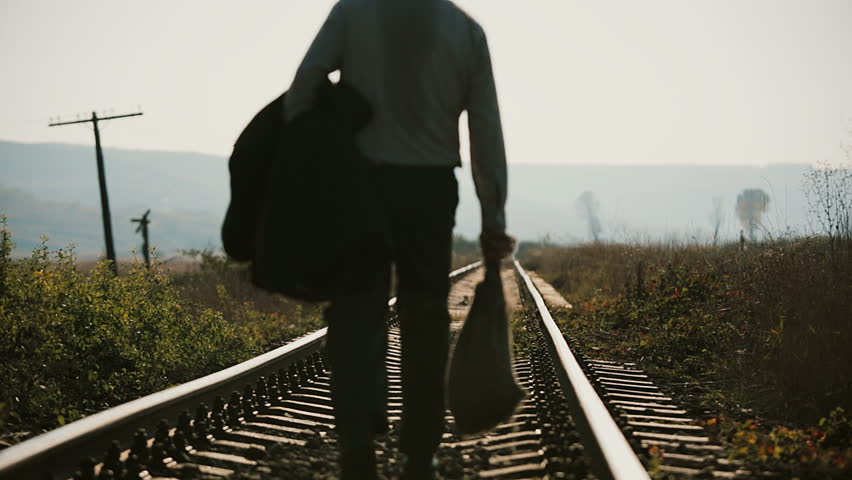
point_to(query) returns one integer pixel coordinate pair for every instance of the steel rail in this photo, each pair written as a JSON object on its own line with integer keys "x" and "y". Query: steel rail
{"x": 610, "y": 453}
{"x": 57, "y": 453}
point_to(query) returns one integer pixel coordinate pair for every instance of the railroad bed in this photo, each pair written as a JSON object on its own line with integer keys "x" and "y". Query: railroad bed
{"x": 271, "y": 418}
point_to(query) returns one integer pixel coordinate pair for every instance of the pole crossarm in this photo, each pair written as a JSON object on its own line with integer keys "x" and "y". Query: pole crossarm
{"x": 143, "y": 222}
{"x": 89, "y": 120}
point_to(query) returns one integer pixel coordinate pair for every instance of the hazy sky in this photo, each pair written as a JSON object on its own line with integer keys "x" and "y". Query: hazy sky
{"x": 652, "y": 81}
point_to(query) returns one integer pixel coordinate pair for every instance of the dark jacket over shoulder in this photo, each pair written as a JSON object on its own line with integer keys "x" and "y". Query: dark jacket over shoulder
{"x": 253, "y": 152}
{"x": 310, "y": 200}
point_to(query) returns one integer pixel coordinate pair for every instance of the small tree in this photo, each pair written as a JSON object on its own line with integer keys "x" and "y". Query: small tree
{"x": 828, "y": 190}
{"x": 588, "y": 207}
{"x": 716, "y": 219}
{"x": 752, "y": 203}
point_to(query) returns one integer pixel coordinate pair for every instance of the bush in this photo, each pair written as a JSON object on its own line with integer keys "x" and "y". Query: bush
{"x": 73, "y": 344}
{"x": 817, "y": 452}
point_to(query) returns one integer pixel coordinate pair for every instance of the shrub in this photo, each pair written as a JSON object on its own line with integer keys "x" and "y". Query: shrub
{"x": 817, "y": 452}
{"x": 73, "y": 344}
{"x": 770, "y": 324}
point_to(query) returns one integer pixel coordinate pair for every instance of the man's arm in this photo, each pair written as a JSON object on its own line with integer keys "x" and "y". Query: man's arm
{"x": 324, "y": 56}
{"x": 487, "y": 151}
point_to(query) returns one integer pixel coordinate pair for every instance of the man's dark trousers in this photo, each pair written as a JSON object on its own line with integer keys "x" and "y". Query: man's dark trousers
{"x": 419, "y": 205}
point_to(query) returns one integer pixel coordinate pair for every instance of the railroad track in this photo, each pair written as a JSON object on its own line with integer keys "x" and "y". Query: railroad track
{"x": 271, "y": 418}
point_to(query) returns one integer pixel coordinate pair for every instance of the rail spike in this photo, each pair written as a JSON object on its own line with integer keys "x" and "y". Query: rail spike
{"x": 87, "y": 469}
{"x": 319, "y": 366}
{"x": 293, "y": 377}
{"x": 107, "y": 474}
{"x": 184, "y": 425}
{"x": 140, "y": 446}
{"x": 217, "y": 415}
{"x": 179, "y": 447}
{"x": 273, "y": 388}
{"x": 234, "y": 410}
{"x": 304, "y": 375}
{"x": 282, "y": 381}
{"x": 200, "y": 426}
{"x": 112, "y": 460}
{"x": 249, "y": 402}
{"x": 162, "y": 434}
{"x": 133, "y": 467}
{"x": 322, "y": 361}
{"x": 159, "y": 454}
{"x": 262, "y": 392}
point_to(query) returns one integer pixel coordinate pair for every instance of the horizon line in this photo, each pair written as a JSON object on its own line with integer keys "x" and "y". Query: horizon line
{"x": 510, "y": 163}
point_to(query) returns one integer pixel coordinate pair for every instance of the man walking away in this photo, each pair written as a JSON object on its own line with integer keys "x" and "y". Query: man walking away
{"x": 419, "y": 64}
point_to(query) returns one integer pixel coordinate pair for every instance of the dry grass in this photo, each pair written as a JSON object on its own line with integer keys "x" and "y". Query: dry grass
{"x": 770, "y": 323}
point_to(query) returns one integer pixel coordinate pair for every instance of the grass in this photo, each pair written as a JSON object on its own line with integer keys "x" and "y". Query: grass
{"x": 759, "y": 336}
{"x": 269, "y": 319}
{"x": 465, "y": 251}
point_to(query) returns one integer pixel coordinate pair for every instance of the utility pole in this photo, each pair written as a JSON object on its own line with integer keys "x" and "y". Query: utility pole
{"x": 110, "y": 245}
{"x": 143, "y": 227}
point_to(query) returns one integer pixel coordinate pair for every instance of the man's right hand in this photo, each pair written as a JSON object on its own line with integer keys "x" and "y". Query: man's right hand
{"x": 496, "y": 246}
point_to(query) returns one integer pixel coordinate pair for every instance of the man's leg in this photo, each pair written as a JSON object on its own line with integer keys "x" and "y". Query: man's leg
{"x": 422, "y": 224}
{"x": 356, "y": 347}
{"x": 425, "y": 345}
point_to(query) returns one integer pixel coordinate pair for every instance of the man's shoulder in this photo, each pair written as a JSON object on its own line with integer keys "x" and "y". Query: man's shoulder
{"x": 463, "y": 21}
{"x": 452, "y": 9}
{"x": 452, "y": 16}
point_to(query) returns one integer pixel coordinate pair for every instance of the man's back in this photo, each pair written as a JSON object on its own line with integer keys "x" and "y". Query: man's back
{"x": 419, "y": 63}
{"x": 413, "y": 62}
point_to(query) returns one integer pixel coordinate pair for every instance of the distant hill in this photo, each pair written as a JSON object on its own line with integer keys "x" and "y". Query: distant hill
{"x": 65, "y": 223}
{"x": 136, "y": 179}
{"x": 51, "y": 189}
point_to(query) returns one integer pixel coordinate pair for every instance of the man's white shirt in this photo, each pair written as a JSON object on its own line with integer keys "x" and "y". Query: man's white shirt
{"x": 419, "y": 64}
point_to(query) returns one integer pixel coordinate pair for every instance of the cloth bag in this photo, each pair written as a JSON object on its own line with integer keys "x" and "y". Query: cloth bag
{"x": 482, "y": 389}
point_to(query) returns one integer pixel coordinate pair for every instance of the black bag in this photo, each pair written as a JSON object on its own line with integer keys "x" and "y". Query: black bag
{"x": 482, "y": 390}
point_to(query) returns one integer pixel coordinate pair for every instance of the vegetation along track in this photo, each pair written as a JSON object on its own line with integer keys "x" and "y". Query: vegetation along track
{"x": 601, "y": 393}
{"x": 271, "y": 417}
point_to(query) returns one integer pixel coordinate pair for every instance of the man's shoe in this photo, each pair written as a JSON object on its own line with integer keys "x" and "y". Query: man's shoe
{"x": 419, "y": 468}
{"x": 358, "y": 464}
{"x": 379, "y": 424}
